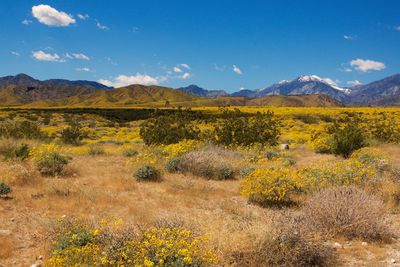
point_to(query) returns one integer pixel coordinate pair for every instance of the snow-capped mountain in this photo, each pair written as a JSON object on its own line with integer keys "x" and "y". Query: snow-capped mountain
{"x": 306, "y": 85}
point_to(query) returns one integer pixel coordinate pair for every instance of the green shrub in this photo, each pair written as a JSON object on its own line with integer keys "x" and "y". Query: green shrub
{"x": 147, "y": 173}
{"x": 173, "y": 165}
{"x": 307, "y": 119}
{"x": 96, "y": 150}
{"x": 21, "y": 129}
{"x": 12, "y": 150}
{"x": 238, "y": 129}
{"x": 168, "y": 129}
{"x": 4, "y": 189}
{"x": 72, "y": 134}
{"x": 129, "y": 152}
{"x": 346, "y": 139}
{"x": 271, "y": 154}
{"x": 48, "y": 160}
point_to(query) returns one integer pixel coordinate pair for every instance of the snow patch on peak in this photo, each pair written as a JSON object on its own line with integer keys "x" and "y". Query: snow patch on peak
{"x": 284, "y": 81}
{"x": 309, "y": 78}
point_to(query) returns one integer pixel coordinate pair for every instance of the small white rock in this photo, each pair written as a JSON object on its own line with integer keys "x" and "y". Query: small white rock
{"x": 337, "y": 245}
{"x": 5, "y": 232}
{"x": 392, "y": 261}
{"x": 364, "y": 244}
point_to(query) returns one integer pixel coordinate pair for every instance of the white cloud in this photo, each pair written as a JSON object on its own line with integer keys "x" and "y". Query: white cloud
{"x": 124, "y": 80}
{"x": 354, "y": 83}
{"x": 134, "y": 29}
{"x": 42, "y": 56}
{"x": 236, "y": 69}
{"x": 26, "y": 21}
{"x": 15, "y": 53}
{"x": 185, "y": 76}
{"x": 83, "y": 17}
{"x": 176, "y": 69}
{"x": 51, "y": 17}
{"x": 186, "y": 66}
{"x": 84, "y": 69}
{"x": 365, "y": 65}
{"x": 77, "y": 56}
{"x": 101, "y": 26}
{"x": 350, "y": 37}
{"x": 330, "y": 81}
{"x": 397, "y": 28}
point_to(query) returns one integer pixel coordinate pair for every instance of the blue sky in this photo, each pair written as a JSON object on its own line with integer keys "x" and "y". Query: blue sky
{"x": 224, "y": 44}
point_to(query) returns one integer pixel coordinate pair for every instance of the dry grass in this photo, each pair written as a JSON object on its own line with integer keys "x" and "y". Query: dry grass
{"x": 7, "y": 247}
{"x": 346, "y": 211}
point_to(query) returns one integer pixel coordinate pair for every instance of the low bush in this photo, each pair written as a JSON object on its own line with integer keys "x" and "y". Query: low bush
{"x": 270, "y": 186}
{"x": 96, "y": 150}
{"x": 173, "y": 165}
{"x": 73, "y": 134}
{"x": 21, "y": 129}
{"x": 346, "y": 211}
{"x": 81, "y": 245}
{"x": 5, "y": 189}
{"x": 129, "y": 152}
{"x": 48, "y": 160}
{"x": 324, "y": 174}
{"x": 238, "y": 129}
{"x": 11, "y": 149}
{"x": 346, "y": 139}
{"x": 147, "y": 173}
{"x": 208, "y": 163}
{"x": 307, "y": 119}
{"x": 168, "y": 129}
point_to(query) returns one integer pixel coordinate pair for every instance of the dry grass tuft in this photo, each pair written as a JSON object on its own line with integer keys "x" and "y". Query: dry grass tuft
{"x": 346, "y": 211}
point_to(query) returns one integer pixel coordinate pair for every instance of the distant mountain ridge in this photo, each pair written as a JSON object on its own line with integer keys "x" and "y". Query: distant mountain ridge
{"x": 22, "y": 89}
{"x": 198, "y": 91}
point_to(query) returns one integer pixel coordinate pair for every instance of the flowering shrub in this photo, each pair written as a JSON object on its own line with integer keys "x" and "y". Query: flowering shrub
{"x": 270, "y": 186}
{"x": 344, "y": 172}
{"x": 183, "y": 147}
{"x": 48, "y": 159}
{"x": 371, "y": 157}
{"x": 163, "y": 246}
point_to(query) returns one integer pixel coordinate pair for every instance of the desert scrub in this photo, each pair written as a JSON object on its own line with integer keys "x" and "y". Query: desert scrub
{"x": 183, "y": 147}
{"x": 11, "y": 150}
{"x": 372, "y": 157}
{"x": 270, "y": 186}
{"x": 73, "y": 134}
{"x": 48, "y": 160}
{"x": 346, "y": 211}
{"x": 147, "y": 173}
{"x": 344, "y": 172}
{"x": 172, "y": 165}
{"x": 210, "y": 163}
{"x": 21, "y": 129}
{"x": 129, "y": 152}
{"x": 5, "y": 189}
{"x": 96, "y": 150}
{"x": 86, "y": 245}
{"x": 237, "y": 128}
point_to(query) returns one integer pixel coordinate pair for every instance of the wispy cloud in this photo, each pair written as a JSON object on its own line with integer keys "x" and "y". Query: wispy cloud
{"x": 219, "y": 68}
{"x": 43, "y": 56}
{"x": 350, "y": 37}
{"x": 26, "y": 22}
{"x": 366, "y": 65}
{"x": 84, "y": 69}
{"x": 50, "y": 16}
{"x": 83, "y": 16}
{"x": 176, "y": 69}
{"x": 186, "y": 66}
{"x": 185, "y": 76}
{"x": 101, "y": 26}
{"x": 354, "y": 83}
{"x": 237, "y": 70}
{"x": 15, "y": 53}
{"x": 77, "y": 56}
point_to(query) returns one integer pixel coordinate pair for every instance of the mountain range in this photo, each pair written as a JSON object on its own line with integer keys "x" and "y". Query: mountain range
{"x": 306, "y": 90}
{"x": 382, "y": 93}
